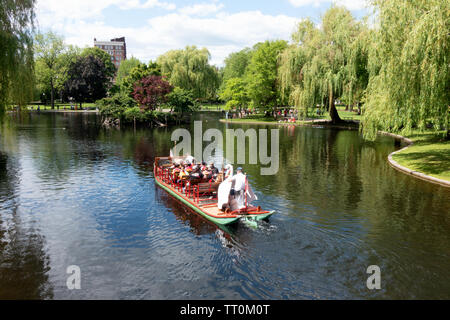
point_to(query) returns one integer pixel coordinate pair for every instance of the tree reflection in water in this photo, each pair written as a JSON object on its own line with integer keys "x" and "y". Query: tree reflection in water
{"x": 24, "y": 264}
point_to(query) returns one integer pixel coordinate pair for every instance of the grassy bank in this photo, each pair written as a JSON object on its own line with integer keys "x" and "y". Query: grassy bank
{"x": 430, "y": 154}
{"x": 345, "y": 115}
{"x": 212, "y": 107}
{"x": 64, "y": 106}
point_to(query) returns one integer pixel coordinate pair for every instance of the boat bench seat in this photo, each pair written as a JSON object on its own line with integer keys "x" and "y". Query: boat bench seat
{"x": 207, "y": 188}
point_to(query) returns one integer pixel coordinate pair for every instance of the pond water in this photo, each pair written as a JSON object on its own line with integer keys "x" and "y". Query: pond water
{"x": 72, "y": 193}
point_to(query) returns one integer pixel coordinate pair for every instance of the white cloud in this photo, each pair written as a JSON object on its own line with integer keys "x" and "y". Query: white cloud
{"x": 350, "y": 4}
{"x": 202, "y": 9}
{"x": 57, "y": 10}
{"x": 221, "y": 32}
{"x": 137, "y": 4}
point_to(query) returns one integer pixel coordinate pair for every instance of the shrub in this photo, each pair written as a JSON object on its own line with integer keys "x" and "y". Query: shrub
{"x": 116, "y": 105}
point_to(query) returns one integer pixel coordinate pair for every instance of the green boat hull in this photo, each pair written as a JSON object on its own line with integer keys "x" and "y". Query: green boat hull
{"x": 219, "y": 221}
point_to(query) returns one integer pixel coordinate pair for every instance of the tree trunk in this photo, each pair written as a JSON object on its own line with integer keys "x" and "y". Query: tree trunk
{"x": 52, "y": 96}
{"x": 335, "y": 118}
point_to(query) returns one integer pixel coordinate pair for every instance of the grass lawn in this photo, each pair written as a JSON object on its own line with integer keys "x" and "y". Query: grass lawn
{"x": 61, "y": 106}
{"x": 212, "y": 107}
{"x": 430, "y": 154}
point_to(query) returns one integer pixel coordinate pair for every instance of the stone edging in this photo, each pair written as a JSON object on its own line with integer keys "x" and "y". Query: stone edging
{"x": 403, "y": 169}
{"x": 391, "y": 161}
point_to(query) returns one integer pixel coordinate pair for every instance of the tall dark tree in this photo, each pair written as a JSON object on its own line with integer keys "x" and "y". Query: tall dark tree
{"x": 87, "y": 79}
{"x": 110, "y": 68}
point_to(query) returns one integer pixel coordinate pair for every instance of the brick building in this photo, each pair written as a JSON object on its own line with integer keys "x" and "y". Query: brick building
{"x": 117, "y": 48}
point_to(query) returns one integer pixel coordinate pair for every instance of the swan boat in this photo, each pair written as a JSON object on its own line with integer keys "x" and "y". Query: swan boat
{"x": 202, "y": 196}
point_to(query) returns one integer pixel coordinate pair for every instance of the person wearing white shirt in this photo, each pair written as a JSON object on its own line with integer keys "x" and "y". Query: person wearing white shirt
{"x": 228, "y": 171}
{"x": 239, "y": 187}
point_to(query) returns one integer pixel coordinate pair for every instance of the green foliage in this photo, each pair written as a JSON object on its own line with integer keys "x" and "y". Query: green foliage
{"x": 134, "y": 114}
{"x": 322, "y": 64}
{"x": 262, "y": 74}
{"x": 110, "y": 68}
{"x": 409, "y": 85}
{"x": 235, "y": 94}
{"x": 125, "y": 68}
{"x": 116, "y": 106}
{"x": 236, "y": 64}
{"x": 52, "y": 62}
{"x": 181, "y": 100}
{"x": 87, "y": 79}
{"x": 16, "y": 54}
{"x": 137, "y": 74}
{"x": 189, "y": 69}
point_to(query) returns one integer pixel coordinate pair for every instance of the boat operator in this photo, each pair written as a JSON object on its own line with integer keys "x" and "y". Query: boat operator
{"x": 239, "y": 187}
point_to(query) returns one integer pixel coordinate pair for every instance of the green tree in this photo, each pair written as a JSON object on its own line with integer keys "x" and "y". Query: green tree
{"x": 116, "y": 105}
{"x": 87, "y": 79}
{"x": 236, "y": 64}
{"x": 16, "y": 54}
{"x": 262, "y": 74}
{"x": 409, "y": 85}
{"x": 125, "y": 68}
{"x": 190, "y": 69}
{"x": 235, "y": 93}
{"x": 138, "y": 73}
{"x": 65, "y": 61}
{"x": 317, "y": 69}
{"x": 48, "y": 48}
{"x": 110, "y": 68}
{"x": 44, "y": 77}
{"x": 181, "y": 101}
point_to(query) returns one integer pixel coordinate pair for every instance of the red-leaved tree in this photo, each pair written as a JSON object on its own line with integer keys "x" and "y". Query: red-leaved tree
{"x": 151, "y": 91}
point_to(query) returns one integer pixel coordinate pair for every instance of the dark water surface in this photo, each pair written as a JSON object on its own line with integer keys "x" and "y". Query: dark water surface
{"x": 72, "y": 193}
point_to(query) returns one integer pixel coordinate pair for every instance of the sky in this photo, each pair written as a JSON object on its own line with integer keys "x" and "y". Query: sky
{"x": 153, "y": 27}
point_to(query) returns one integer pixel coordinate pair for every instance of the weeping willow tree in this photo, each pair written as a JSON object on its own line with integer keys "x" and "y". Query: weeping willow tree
{"x": 316, "y": 69}
{"x": 16, "y": 52}
{"x": 189, "y": 69}
{"x": 409, "y": 86}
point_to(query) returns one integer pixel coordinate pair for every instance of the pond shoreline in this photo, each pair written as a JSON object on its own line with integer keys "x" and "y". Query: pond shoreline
{"x": 394, "y": 164}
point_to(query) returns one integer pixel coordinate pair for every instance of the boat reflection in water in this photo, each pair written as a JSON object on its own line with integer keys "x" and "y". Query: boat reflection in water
{"x": 198, "y": 225}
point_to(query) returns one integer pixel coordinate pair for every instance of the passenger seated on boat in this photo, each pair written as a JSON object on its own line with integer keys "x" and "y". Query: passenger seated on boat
{"x": 176, "y": 173}
{"x": 213, "y": 172}
{"x": 213, "y": 169}
{"x": 190, "y": 159}
{"x": 188, "y": 167}
{"x": 183, "y": 175}
{"x": 207, "y": 174}
{"x": 196, "y": 174}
